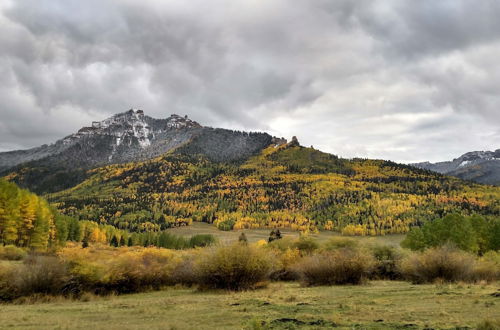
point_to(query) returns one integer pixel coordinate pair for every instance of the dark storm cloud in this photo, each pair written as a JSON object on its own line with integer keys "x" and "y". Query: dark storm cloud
{"x": 384, "y": 79}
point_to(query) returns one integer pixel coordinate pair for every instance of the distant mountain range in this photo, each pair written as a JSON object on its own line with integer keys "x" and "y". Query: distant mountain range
{"x": 478, "y": 166}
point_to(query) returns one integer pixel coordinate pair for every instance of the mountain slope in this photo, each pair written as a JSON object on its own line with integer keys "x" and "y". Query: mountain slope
{"x": 479, "y": 166}
{"x": 126, "y": 137}
{"x": 283, "y": 186}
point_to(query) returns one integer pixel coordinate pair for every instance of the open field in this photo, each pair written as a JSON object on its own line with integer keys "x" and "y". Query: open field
{"x": 255, "y": 235}
{"x": 376, "y": 305}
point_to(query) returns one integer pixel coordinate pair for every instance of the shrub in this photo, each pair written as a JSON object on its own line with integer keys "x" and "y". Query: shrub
{"x": 387, "y": 262}
{"x": 344, "y": 266}
{"x": 184, "y": 272}
{"x": 202, "y": 240}
{"x": 306, "y": 245}
{"x": 487, "y": 268}
{"x": 139, "y": 271}
{"x": 340, "y": 243}
{"x": 38, "y": 275}
{"x": 234, "y": 267}
{"x": 282, "y": 244}
{"x": 286, "y": 263}
{"x": 444, "y": 263}
{"x": 121, "y": 270}
{"x": 11, "y": 252}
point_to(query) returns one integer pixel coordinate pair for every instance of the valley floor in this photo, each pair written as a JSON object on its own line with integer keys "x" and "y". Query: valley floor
{"x": 376, "y": 305}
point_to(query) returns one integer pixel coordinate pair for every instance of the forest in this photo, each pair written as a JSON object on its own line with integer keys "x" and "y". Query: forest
{"x": 28, "y": 221}
{"x": 288, "y": 186}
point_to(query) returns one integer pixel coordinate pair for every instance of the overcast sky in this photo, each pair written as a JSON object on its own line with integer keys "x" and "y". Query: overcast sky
{"x": 401, "y": 80}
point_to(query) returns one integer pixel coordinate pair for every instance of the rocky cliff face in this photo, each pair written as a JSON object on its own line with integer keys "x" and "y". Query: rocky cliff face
{"x": 478, "y": 166}
{"x": 127, "y": 137}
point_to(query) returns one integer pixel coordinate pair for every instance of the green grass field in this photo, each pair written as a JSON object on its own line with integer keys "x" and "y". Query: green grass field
{"x": 255, "y": 235}
{"x": 376, "y": 305}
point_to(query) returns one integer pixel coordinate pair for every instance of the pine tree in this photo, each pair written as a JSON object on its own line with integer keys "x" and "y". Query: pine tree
{"x": 85, "y": 242}
{"x": 114, "y": 241}
{"x": 272, "y": 236}
{"x": 122, "y": 241}
{"x": 130, "y": 242}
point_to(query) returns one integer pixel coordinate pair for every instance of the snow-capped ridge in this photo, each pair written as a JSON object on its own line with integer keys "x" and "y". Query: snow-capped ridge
{"x": 479, "y": 166}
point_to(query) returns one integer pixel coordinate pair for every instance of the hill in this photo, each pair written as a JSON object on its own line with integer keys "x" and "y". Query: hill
{"x": 287, "y": 186}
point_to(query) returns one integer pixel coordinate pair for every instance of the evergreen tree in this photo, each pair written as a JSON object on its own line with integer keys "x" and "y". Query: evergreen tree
{"x": 114, "y": 241}
{"x": 85, "y": 242}
{"x": 130, "y": 242}
{"x": 122, "y": 241}
{"x": 278, "y": 234}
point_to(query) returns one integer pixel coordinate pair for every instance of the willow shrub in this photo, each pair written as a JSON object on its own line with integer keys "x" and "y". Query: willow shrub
{"x": 444, "y": 263}
{"x": 387, "y": 262}
{"x": 45, "y": 275}
{"x": 234, "y": 267}
{"x": 342, "y": 266}
{"x": 121, "y": 270}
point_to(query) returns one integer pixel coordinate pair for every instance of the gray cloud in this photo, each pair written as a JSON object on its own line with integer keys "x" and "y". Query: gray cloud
{"x": 357, "y": 78}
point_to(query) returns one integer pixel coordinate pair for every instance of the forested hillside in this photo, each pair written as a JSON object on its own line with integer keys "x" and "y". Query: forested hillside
{"x": 283, "y": 186}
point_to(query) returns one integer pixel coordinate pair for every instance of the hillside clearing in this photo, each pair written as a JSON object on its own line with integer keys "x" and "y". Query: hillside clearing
{"x": 254, "y": 235}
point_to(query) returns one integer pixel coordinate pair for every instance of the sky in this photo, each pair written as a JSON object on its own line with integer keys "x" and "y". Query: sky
{"x": 402, "y": 80}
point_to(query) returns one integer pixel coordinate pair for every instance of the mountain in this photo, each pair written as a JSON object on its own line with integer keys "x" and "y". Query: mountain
{"x": 143, "y": 174}
{"x": 125, "y": 137}
{"x": 479, "y": 166}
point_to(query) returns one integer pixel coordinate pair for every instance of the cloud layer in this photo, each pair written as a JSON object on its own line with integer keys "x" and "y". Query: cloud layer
{"x": 370, "y": 78}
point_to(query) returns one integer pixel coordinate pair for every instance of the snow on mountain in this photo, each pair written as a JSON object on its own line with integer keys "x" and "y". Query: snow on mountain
{"x": 479, "y": 166}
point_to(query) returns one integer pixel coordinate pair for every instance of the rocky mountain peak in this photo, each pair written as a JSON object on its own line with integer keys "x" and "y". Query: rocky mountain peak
{"x": 133, "y": 136}
{"x": 176, "y": 121}
{"x": 132, "y": 125}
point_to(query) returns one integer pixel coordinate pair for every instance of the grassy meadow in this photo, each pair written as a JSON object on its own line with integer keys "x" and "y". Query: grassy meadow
{"x": 314, "y": 281}
{"x": 254, "y": 235}
{"x": 376, "y": 305}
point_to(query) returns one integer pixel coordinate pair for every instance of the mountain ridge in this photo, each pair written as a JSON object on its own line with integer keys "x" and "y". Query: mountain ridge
{"x": 478, "y": 166}
{"x": 127, "y": 137}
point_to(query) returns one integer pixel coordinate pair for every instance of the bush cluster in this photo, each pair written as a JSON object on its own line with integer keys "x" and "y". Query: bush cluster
{"x": 75, "y": 272}
{"x": 37, "y": 275}
{"x": 234, "y": 267}
{"x": 448, "y": 264}
{"x": 342, "y": 266}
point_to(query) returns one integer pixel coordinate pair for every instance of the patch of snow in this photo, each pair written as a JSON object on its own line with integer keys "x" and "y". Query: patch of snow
{"x": 464, "y": 163}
